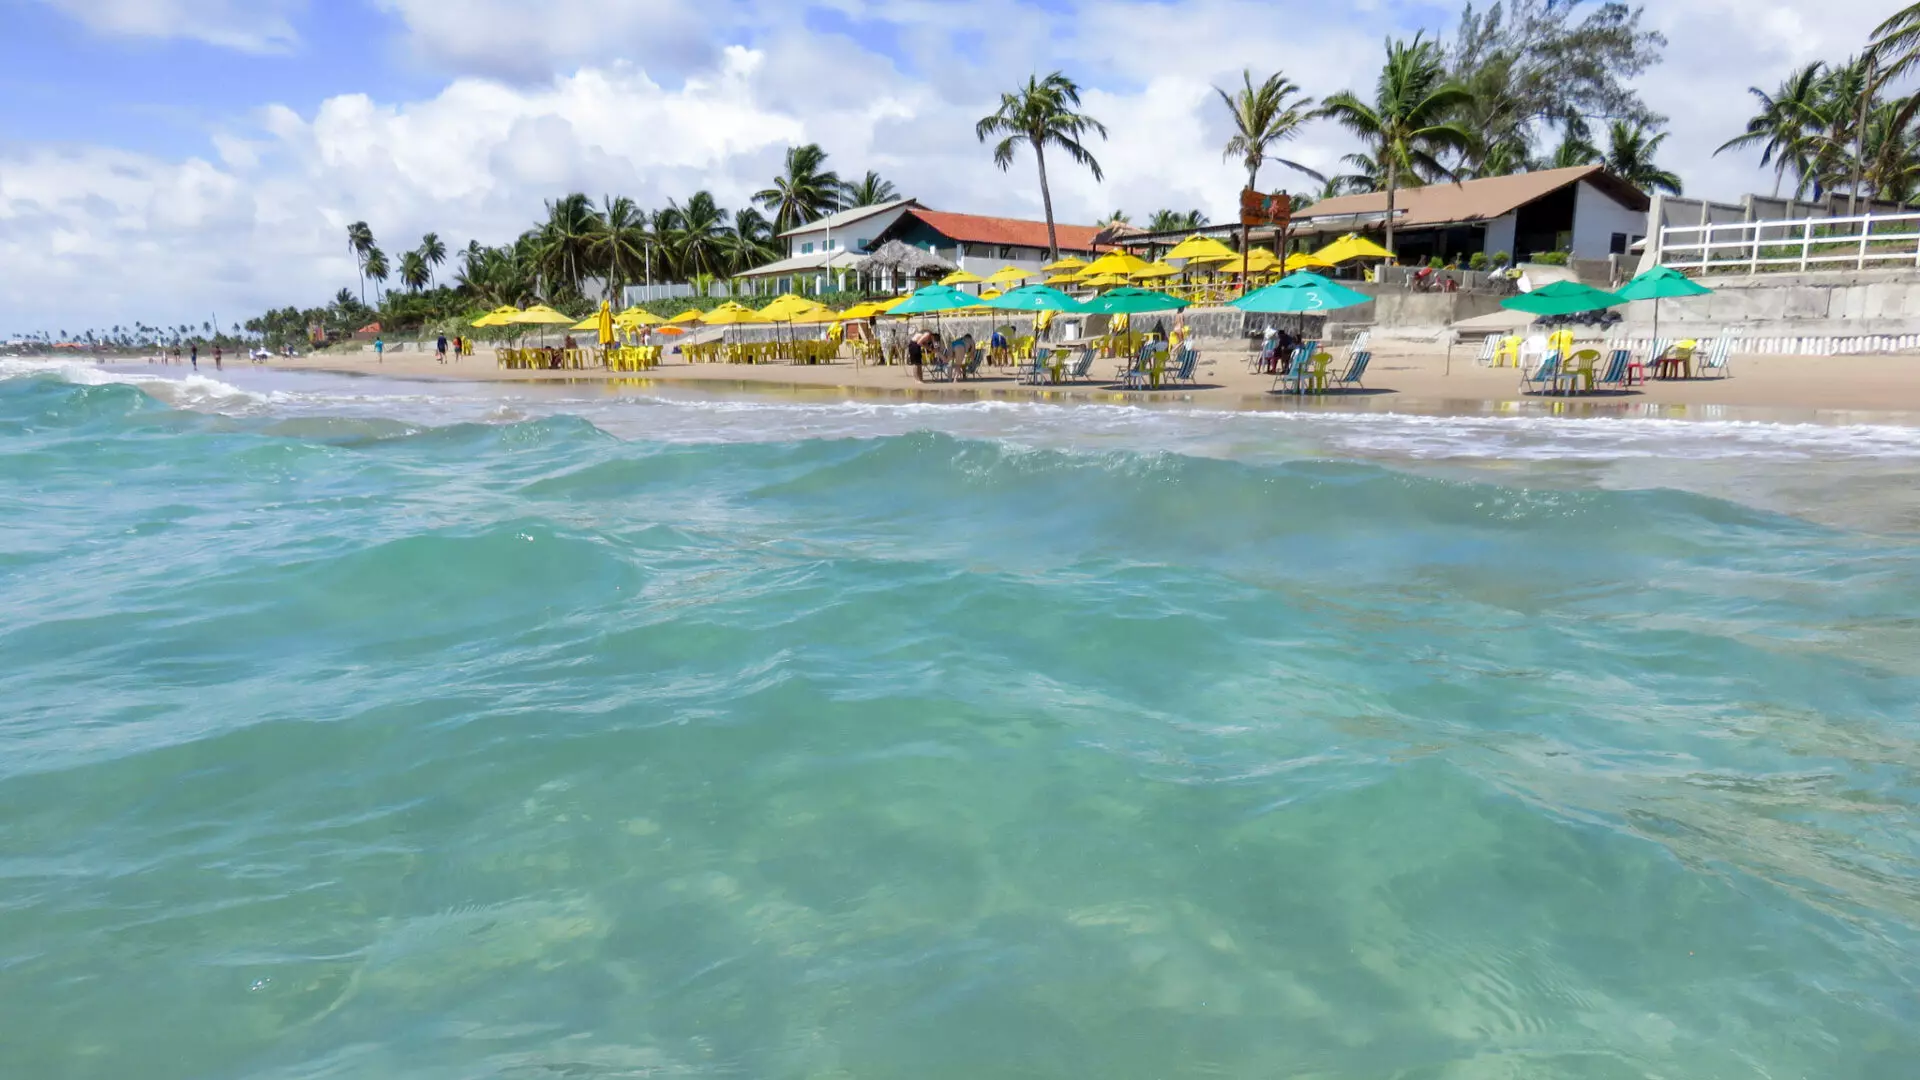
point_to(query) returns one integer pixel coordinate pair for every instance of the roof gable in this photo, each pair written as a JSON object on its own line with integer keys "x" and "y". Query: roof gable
{"x": 1476, "y": 200}
{"x": 1011, "y": 232}
{"x": 848, "y": 217}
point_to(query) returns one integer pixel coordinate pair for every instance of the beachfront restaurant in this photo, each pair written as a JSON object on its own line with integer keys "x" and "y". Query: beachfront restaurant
{"x": 982, "y": 245}
{"x": 1585, "y": 211}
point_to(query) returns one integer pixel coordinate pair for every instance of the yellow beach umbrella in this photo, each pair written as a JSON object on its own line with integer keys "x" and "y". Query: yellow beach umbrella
{"x": 820, "y": 314}
{"x": 1202, "y": 248}
{"x": 1101, "y": 281}
{"x": 1009, "y": 275}
{"x": 1300, "y": 260}
{"x": 862, "y": 311}
{"x": 638, "y": 317}
{"x": 1351, "y": 246}
{"x": 1258, "y": 261}
{"x": 591, "y": 322}
{"x": 539, "y": 315}
{"x": 962, "y": 277}
{"x": 1067, "y": 263}
{"x": 687, "y": 317}
{"x": 1155, "y": 270}
{"x": 785, "y": 308}
{"x": 990, "y": 294}
{"x": 889, "y": 305}
{"x": 731, "y": 314}
{"x": 1058, "y": 280}
{"x": 1113, "y": 262}
{"x": 497, "y": 317}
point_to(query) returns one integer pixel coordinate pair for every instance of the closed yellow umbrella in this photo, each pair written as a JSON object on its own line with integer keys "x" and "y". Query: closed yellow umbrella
{"x": 1202, "y": 248}
{"x": 1009, "y": 275}
{"x": 604, "y": 323}
{"x": 1351, "y": 246}
{"x": 1063, "y": 264}
{"x": 962, "y": 277}
{"x": 1113, "y": 262}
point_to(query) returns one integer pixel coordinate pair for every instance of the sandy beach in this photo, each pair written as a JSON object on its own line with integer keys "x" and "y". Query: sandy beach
{"x": 1404, "y": 377}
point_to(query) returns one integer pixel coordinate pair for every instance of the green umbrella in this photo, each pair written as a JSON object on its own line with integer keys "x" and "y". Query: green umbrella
{"x": 1301, "y": 293}
{"x": 1132, "y": 301}
{"x": 933, "y": 299}
{"x": 1561, "y": 298}
{"x": 1036, "y": 298}
{"x": 1658, "y": 284}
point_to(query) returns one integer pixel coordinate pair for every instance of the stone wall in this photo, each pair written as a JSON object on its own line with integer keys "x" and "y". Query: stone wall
{"x": 1823, "y": 312}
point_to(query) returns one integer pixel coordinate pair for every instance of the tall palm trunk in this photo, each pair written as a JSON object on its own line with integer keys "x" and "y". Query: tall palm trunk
{"x": 1860, "y": 140}
{"x": 1393, "y": 185}
{"x": 1046, "y": 200}
{"x": 1246, "y": 239}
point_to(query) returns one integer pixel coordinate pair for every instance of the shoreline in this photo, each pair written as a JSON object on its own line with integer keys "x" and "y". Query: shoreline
{"x": 1406, "y": 378}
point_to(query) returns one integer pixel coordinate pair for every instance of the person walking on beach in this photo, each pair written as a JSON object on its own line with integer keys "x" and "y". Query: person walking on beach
{"x": 440, "y": 349}
{"x": 216, "y": 358}
{"x": 459, "y": 343}
{"x": 193, "y": 354}
{"x": 379, "y": 349}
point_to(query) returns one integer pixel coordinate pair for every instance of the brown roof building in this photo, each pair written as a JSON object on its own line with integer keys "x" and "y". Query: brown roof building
{"x": 1586, "y": 211}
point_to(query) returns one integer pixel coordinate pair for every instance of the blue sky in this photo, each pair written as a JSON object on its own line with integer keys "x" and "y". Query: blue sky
{"x": 162, "y": 157}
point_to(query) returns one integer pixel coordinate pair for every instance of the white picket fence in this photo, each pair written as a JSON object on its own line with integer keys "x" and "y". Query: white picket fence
{"x": 1759, "y": 247}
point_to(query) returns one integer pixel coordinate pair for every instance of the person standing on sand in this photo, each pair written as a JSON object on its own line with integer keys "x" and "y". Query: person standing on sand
{"x": 216, "y": 357}
{"x": 379, "y": 349}
{"x": 193, "y": 354}
{"x": 459, "y": 343}
{"x": 440, "y": 349}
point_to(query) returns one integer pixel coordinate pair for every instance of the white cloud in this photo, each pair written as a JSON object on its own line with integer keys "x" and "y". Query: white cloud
{"x": 256, "y": 26}
{"x": 256, "y": 221}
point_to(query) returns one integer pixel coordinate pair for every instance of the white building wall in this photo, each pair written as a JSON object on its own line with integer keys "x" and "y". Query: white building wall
{"x": 1596, "y": 217}
{"x": 1500, "y": 235}
{"x": 845, "y": 238}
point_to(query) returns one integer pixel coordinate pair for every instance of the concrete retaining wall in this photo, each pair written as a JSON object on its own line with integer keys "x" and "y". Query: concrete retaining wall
{"x": 1841, "y": 311}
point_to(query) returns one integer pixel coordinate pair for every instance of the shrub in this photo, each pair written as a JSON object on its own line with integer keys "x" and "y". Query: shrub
{"x": 1501, "y": 258}
{"x": 1435, "y": 263}
{"x": 1551, "y": 258}
{"x": 1477, "y": 261}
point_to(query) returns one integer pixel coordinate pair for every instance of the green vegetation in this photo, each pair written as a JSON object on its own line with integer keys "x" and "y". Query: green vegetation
{"x": 1042, "y": 114}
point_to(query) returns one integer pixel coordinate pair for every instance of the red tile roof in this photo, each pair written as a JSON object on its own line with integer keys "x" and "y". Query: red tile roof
{"x": 976, "y": 229}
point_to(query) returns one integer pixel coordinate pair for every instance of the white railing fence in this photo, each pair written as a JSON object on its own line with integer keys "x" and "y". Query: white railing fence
{"x": 1881, "y": 241}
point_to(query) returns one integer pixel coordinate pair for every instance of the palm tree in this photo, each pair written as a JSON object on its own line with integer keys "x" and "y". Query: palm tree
{"x": 1115, "y": 218}
{"x": 1783, "y": 127}
{"x": 414, "y": 272}
{"x": 563, "y": 244}
{"x": 1891, "y": 158}
{"x": 1263, "y": 117}
{"x": 869, "y": 190}
{"x": 1042, "y": 114}
{"x": 1896, "y": 42}
{"x": 1171, "y": 220}
{"x": 360, "y": 242}
{"x": 1630, "y": 150}
{"x": 807, "y": 190}
{"x": 1366, "y": 178}
{"x": 619, "y": 243}
{"x": 433, "y": 252}
{"x": 696, "y": 234}
{"x": 376, "y": 267}
{"x": 750, "y": 242}
{"x": 1407, "y": 122}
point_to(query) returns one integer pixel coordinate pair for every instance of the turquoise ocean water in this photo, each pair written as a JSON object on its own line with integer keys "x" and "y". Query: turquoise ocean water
{"x": 349, "y": 731}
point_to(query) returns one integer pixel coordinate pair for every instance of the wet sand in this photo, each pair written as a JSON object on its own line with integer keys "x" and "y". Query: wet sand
{"x": 1403, "y": 377}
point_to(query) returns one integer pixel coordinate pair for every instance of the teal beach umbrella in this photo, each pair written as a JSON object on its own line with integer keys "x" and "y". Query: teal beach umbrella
{"x": 933, "y": 299}
{"x": 1297, "y": 294}
{"x": 1036, "y": 298}
{"x": 1132, "y": 301}
{"x": 1562, "y": 298}
{"x": 1657, "y": 284}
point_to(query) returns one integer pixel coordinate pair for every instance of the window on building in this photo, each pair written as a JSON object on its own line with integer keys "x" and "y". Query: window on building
{"x": 806, "y": 248}
{"x": 1006, "y": 252}
{"x": 862, "y": 243}
{"x": 1618, "y": 244}
{"x": 984, "y": 251}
